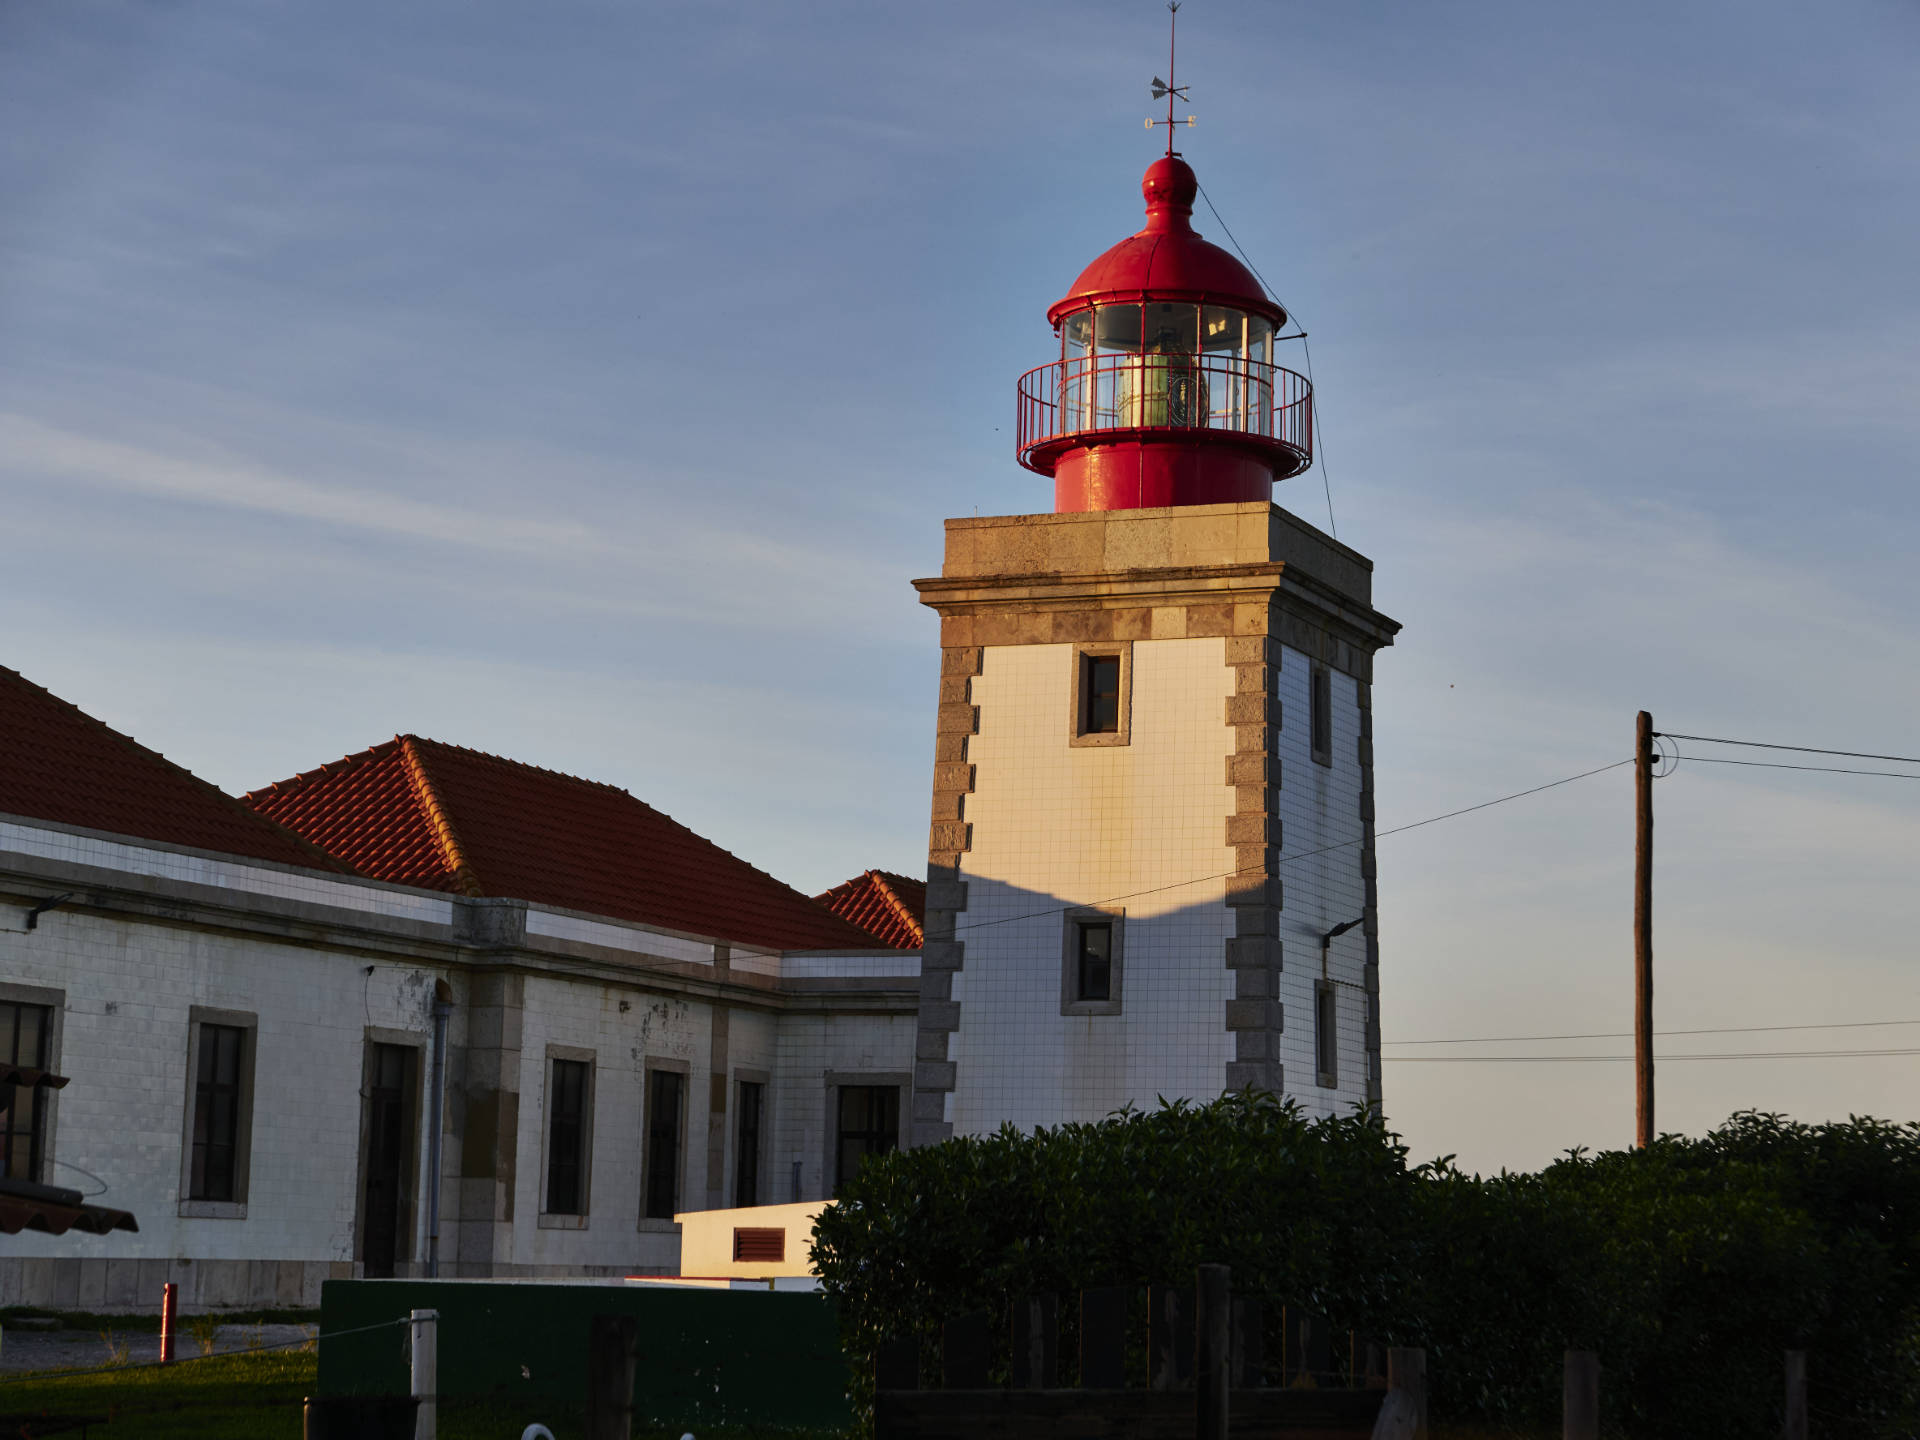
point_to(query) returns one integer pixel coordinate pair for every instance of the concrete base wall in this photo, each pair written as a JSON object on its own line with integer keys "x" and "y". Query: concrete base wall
{"x": 105, "y": 1286}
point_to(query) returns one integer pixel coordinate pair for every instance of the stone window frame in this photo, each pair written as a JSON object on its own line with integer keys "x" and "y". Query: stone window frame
{"x": 1071, "y": 921}
{"x": 548, "y": 1219}
{"x": 653, "y": 1224}
{"x": 1319, "y": 710}
{"x": 55, "y": 1003}
{"x": 410, "y": 1198}
{"x": 1326, "y": 1034}
{"x": 1084, "y": 651}
{"x": 198, "y": 1018}
{"x": 747, "y": 1075}
{"x": 901, "y": 1080}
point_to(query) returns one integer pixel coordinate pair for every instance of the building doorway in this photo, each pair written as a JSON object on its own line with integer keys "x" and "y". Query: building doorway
{"x": 386, "y": 1164}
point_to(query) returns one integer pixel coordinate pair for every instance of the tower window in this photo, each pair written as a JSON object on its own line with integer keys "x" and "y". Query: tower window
{"x": 1322, "y": 715}
{"x": 1102, "y": 678}
{"x": 1325, "y": 1036}
{"x": 1090, "y": 963}
{"x": 1096, "y": 960}
{"x": 1103, "y": 694}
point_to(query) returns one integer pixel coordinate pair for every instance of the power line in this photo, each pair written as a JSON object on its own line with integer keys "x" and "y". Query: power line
{"x": 1628, "y": 1034}
{"x": 1306, "y": 350}
{"x": 1803, "y": 749}
{"x": 1817, "y": 769}
{"x": 1289, "y": 859}
{"x": 1585, "y": 1059}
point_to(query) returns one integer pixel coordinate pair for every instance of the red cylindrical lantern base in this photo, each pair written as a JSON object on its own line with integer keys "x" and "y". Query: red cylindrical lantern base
{"x": 1135, "y": 475}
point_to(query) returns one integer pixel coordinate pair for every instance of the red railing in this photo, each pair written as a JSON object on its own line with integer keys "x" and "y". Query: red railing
{"x": 1132, "y": 393}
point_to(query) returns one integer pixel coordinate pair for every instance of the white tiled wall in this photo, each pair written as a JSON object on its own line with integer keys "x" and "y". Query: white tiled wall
{"x": 1055, "y": 826}
{"x": 1320, "y": 807}
{"x": 811, "y": 1047}
{"x": 1058, "y": 826}
{"x": 651, "y": 1027}
{"x": 128, "y": 988}
{"x": 285, "y": 884}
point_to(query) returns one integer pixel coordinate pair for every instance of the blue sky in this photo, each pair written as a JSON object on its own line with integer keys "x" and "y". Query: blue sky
{"x": 585, "y": 382}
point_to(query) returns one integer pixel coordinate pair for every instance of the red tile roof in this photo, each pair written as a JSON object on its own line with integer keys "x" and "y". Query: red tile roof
{"x": 889, "y": 907}
{"x": 421, "y": 812}
{"x": 58, "y": 763}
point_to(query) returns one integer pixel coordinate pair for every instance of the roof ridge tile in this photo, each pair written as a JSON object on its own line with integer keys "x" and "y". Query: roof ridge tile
{"x": 437, "y": 817}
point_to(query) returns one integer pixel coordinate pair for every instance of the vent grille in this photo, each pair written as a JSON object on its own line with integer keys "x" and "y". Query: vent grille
{"x": 761, "y": 1246}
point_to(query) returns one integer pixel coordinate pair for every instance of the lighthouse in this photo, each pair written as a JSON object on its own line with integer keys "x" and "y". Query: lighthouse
{"x": 1150, "y": 860}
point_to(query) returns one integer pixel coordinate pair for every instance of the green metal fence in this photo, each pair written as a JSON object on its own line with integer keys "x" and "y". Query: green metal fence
{"x": 729, "y": 1357}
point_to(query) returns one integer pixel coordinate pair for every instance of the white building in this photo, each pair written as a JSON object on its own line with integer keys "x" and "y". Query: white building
{"x": 249, "y": 1027}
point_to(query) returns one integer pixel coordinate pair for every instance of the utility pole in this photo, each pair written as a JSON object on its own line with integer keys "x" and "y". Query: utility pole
{"x": 1643, "y": 757}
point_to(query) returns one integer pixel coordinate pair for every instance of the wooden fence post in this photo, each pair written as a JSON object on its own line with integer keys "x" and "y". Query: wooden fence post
{"x": 963, "y": 1351}
{"x": 1407, "y": 1371}
{"x": 1249, "y": 1343}
{"x": 1794, "y": 1426}
{"x": 1580, "y": 1396}
{"x": 610, "y": 1345}
{"x": 1212, "y": 1350}
{"x": 1169, "y": 1338}
{"x": 896, "y": 1364}
{"x": 1036, "y": 1342}
{"x": 1103, "y": 1338}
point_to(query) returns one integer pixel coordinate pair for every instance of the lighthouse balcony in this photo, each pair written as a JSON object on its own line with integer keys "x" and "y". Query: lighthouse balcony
{"x": 1116, "y": 398}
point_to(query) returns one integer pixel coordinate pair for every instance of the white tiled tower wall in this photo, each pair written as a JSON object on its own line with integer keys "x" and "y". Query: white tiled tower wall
{"x": 1143, "y": 826}
{"x": 1057, "y": 825}
{"x": 1320, "y": 823}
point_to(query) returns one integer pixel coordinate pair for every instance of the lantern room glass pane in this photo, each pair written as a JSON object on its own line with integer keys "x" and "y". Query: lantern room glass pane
{"x": 1223, "y": 337}
{"x": 1259, "y": 412}
{"x": 1172, "y": 329}
{"x": 1118, "y": 328}
{"x": 1076, "y": 334}
{"x": 1222, "y": 331}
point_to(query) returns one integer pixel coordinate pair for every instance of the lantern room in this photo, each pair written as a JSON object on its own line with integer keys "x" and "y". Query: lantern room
{"x": 1165, "y": 390}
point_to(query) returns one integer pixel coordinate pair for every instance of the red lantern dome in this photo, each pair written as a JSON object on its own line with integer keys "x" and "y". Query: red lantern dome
{"x": 1165, "y": 391}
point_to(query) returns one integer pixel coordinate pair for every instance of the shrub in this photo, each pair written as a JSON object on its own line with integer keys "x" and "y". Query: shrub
{"x": 1688, "y": 1266}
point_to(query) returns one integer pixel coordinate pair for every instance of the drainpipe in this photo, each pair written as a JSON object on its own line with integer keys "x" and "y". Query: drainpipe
{"x": 442, "y": 1007}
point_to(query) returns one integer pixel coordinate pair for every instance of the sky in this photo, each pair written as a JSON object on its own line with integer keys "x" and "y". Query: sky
{"x": 585, "y": 382}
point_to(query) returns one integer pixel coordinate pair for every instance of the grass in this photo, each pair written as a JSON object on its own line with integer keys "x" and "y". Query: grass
{"x": 144, "y": 1322}
{"x": 257, "y": 1397}
{"x": 233, "y": 1397}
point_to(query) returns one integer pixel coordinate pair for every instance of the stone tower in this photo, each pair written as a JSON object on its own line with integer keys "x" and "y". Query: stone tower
{"x": 1153, "y": 777}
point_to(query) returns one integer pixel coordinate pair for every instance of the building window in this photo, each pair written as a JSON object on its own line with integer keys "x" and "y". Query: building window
{"x": 219, "y": 1119}
{"x": 1090, "y": 961}
{"x": 567, "y": 1129}
{"x": 24, "y": 1041}
{"x": 1325, "y": 1035}
{"x": 666, "y": 1103}
{"x": 1321, "y": 714}
{"x": 746, "y": 1160}
{"x": 1102, "y": 682}
{"x": 869, "y": 1124}
{"x": 389, "y": 1106}
{"x": 216, "y": 1113}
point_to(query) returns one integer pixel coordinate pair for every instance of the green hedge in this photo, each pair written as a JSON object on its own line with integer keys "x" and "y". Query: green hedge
{"x": 1689, "y": 1266}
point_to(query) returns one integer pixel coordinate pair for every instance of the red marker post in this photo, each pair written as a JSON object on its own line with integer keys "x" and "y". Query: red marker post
{"x": 169, "y": 1321}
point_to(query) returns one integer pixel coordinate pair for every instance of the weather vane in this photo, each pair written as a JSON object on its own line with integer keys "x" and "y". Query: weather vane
{"x": 1166, "y": 88}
